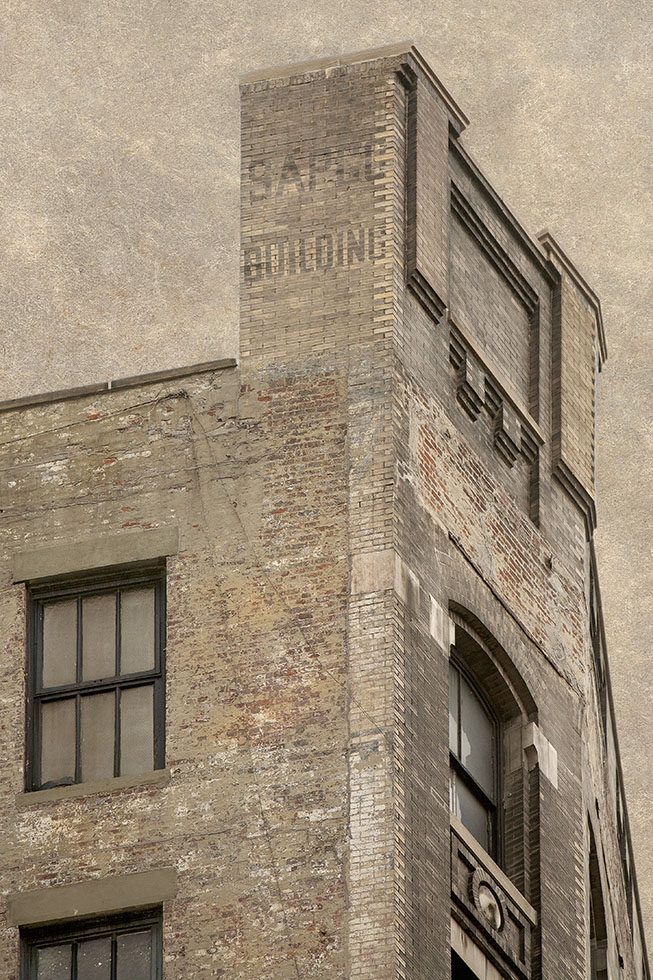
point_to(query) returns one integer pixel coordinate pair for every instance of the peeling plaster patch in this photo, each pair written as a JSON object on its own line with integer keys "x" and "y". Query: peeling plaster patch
{"x": 320, "y": 814}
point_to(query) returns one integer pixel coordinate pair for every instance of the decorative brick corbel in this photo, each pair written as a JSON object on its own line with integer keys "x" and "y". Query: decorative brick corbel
{"x": 471, "y": 386}
{"x": 507, "y": 433}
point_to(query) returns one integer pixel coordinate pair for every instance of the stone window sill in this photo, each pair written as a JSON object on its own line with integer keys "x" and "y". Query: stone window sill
{"x": 160, "y": 777}
{"x": 493, "y": 868}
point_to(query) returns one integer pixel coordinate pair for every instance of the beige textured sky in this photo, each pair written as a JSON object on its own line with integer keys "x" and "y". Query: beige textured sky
{"x": 119, "y": 212}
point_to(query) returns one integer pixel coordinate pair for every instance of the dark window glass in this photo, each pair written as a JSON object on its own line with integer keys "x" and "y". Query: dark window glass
{"x": 53, "y": 963}
{"x": 459, "y": 970}
{"x": 476, "y": 739}
{"x": 99, "y": 636}
{"x": 473, "y": 760}
{"x": 134, "y": 956}
{"x": 136, "y": 729}
{"x": 116, "y": 949}
{"x": 96, "y": 682}
{"x": 472, "y": 811}
{"x": 59, "y": 643}
{"x": 58, "y": 740}
{"x": 94, "y": 959}
{"x": 98, "y": 724}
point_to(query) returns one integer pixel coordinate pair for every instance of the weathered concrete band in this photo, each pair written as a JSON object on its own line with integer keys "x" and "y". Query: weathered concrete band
{"x": 101, "y": 896}
{"x": 98, "y": 552}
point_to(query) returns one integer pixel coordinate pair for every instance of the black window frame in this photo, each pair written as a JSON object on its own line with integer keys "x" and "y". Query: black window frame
{"x": 81, "y": 587}
{"x": 34, "y": 937}
{"x": 493, "y": 807}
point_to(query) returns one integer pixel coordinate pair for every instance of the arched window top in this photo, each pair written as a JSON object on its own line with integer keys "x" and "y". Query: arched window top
{"x": 488, "y": 700}
{"x": 491, "y": 667}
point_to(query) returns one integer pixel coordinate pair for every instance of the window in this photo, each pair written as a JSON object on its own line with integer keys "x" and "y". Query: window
{"x": 117, "y": 949}
{"x": 96, "y": 682}
{"x": 598, "y": 925}
{"x": 473, "y": 760}
{"x": 459, "y": 970}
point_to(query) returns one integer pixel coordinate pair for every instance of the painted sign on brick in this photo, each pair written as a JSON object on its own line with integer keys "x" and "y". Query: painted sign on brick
{"x": 310, "y": 253}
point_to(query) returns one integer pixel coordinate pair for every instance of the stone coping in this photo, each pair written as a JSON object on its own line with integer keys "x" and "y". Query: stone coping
{"x": 405, "y": 48}
{"x": 135, "y": 381}
{"x": 553, "y": 248}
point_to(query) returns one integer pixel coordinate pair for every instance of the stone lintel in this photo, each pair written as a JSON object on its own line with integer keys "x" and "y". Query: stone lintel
{"x": 103, "y": 551}
{"x": 471, "y": 954}
{"x": 99, "y": 896}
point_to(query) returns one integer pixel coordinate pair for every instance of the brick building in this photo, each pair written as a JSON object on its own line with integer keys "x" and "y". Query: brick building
{"x": 316, "y": 682}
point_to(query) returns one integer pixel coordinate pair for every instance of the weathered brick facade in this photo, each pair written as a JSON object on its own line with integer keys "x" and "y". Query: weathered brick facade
{"x": 402, "y": 458}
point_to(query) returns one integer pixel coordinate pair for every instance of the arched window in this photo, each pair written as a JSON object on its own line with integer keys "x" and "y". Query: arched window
{"x": 491, "y": 787}
{"x": 473, "y": 754}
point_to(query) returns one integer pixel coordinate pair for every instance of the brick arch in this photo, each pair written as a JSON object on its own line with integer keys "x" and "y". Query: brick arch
{"x": 492, "y": 666}
{"x": 503, "y": 685}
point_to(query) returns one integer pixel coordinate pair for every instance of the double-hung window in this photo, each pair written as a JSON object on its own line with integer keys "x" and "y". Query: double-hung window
{"x": 96, "y": 679}
{"x": 473, "y": 774}
{"x": 127, "y": 948}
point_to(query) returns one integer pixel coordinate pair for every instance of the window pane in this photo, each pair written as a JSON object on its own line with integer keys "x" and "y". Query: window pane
{"x": 98, "y": 637}
{"x": 453, "y": 709}
{"x": 53, "y": 963}
{"x": 58, "y": 741}
{"x": 470, "y": 811}
{"x": 477, "y": 739}
{"x": 94, "y": 959}
{"x": 134, "y": 951}
{"x": 98, "y": 735}
{"x": 59, "y": 643}
{"x": 136, "y": 730}
{"x": 136, "y": 630}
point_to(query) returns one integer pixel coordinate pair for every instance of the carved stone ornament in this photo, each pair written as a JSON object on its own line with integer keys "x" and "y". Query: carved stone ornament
{"x": 486, "y": 900}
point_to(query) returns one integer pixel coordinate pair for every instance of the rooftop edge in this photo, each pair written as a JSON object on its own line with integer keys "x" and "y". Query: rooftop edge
{"x": 405, "y": 48}
{"x": 119, "y": 384}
